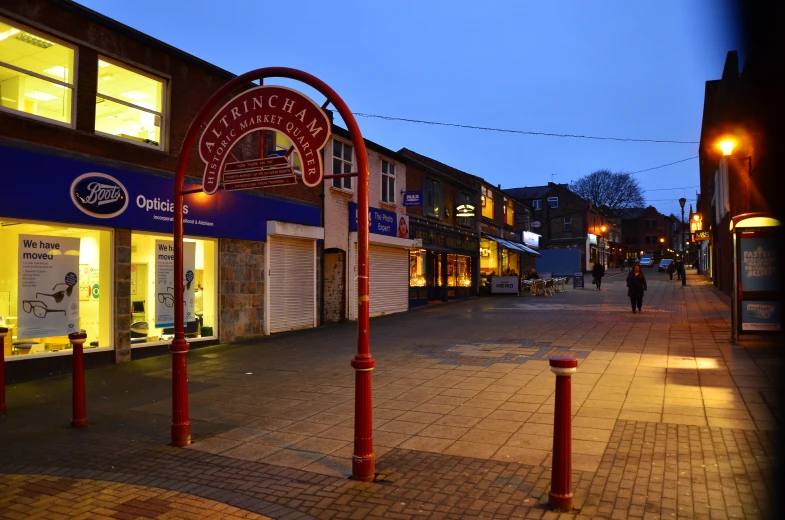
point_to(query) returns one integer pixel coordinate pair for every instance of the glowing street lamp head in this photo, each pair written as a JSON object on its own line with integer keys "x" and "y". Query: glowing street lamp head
{"x": 696, "y": 217}
{"x": 603, "y": 228}
{"x": 662, "y": 241}
{"x": 727, "y": 145}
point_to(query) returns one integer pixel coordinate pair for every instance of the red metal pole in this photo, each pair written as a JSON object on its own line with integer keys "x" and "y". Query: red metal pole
{"x": 363, "y": 459}
{"x": 560, "y": 496}
{"x": 79, "y": 419}
{"x": 3, "y": 334}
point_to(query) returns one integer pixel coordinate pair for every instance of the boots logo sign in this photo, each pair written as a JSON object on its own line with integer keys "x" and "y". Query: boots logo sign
{"x": 99, "y": 195}
{"x": 280, "y": 109}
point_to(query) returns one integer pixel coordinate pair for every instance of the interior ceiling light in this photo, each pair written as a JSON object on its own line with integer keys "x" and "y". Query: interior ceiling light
{"x": 58, "y": 71}
{"x": 34, "y": 40}
{"x": 40, "y": 96}
{"x": 107, "y": 77}
{"x": 135, "y": 95}
{"x": 9, "y": 32}
{"x": 102, "y": 63}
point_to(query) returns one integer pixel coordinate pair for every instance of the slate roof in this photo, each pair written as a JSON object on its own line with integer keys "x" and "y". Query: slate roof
{"x": 438, "y": 167}
{"x": 630, "y": 213}
{"x": 528, "y": 193}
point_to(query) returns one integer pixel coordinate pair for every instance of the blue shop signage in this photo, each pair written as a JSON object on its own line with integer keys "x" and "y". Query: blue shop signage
{"x": 412, "y": 198}
{"x": 49, "y": 187}
{"x": 383, "y": 222}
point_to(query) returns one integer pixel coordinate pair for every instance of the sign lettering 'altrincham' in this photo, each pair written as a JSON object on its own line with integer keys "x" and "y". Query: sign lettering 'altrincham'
{"x": 266, "y": 107}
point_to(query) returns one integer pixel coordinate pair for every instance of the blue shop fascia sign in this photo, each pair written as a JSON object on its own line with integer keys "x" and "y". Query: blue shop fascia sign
{"x": 383, "y": 222}
{"x": 60, "y": 189}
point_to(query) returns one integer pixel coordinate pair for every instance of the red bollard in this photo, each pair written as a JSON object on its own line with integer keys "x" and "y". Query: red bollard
{"x": 3, "y": 334}
{"x": 560, "y": 496}
{"x": 79, "y": 419}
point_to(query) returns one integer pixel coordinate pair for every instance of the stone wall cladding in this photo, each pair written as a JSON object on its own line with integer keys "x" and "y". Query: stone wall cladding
{"x": 334, "y": 286}
{"x": 240, "y": 289}
{"x": 122, "y": 295}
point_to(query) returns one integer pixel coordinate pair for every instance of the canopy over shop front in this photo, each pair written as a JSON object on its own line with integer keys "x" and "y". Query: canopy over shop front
{"x": 515, "y": 246}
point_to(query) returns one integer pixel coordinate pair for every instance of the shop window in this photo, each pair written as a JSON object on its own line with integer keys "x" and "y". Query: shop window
{"x": 510, "y": 262}
{"x": 536, "y": 204}
{"x": 36, "y": 73}
{"x": 433, "y": 198}
{"x": 509, "y": 212}
{"x": 149, "y": 289}
{"x": 486, "y": 196}
{"x": 553, "y": 202}
{"x": 388, "y": 182}
{"x": 417, "y": 268}
{"x": 568, "y": 224}
{"x": 44, "y": 303}
{"x": 282, "y": 143}
{"x": 342, "y": 163}
{"x": 459, "y": 271}
{"x": 489, "y": 257}
{"x": 129, "y": 104}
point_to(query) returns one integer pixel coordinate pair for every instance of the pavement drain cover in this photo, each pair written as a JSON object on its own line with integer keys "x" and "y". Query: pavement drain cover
{"x": 489, "y": 353}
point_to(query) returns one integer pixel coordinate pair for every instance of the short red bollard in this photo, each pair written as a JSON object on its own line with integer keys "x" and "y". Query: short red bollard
{"x": 560, "y": 496}
{"x": 77, "y": 340}
{"x": 3, "y": 334}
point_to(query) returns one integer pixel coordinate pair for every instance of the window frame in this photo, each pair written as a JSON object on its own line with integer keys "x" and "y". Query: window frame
{"x": 342, "y": 181}
{"x": 567, "y": 225}
{"x": 466, "y": 198}
{"x": 388, "y": 178}
{"x": 552, "y": 199}
{"x": 433, "y": 210}
{"x": 509, "y": 212}
{"x": 485, "y": 194}
{"x": 72, "y": 87}
{"x": 536, "y": 204}
{"x": 163, "y": 145}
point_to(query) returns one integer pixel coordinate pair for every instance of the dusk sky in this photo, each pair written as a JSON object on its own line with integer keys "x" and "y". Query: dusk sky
{"x": 606, "y": 68}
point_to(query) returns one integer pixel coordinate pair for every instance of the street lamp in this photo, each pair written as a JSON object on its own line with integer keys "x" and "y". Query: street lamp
{"x": 726, "y": 146}
{"x": 683, "y": 201}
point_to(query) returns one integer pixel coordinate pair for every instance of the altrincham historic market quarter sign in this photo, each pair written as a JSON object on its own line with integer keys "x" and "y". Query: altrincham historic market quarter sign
{"x": 266, "y": 107}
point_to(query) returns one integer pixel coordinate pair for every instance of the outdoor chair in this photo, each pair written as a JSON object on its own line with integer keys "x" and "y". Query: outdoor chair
{"x": 549, "y": 287}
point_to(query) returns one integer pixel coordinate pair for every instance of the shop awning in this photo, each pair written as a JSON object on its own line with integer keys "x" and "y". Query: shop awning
{"x": 515, "y": 246}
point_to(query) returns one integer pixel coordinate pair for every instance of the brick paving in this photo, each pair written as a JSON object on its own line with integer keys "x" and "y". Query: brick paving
{"x": 669, "y": 419}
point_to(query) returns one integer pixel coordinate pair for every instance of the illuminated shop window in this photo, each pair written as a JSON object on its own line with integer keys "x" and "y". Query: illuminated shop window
{"x": 459, "y": 271}
{"x": 129, "y": 104}
{"x": 36, "y": 73}
{"x": 417, "y": 268}
{"x": 487, "y": 202}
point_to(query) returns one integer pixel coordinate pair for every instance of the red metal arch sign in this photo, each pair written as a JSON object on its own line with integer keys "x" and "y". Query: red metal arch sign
{"x": 276, "y": 108}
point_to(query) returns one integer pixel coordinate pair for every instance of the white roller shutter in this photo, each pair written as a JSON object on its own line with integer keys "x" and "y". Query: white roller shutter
{"x": 389, "y": 281}
{"x": 291, "y": 283}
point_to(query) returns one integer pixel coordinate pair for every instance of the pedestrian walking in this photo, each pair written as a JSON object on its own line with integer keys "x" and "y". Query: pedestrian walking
{"x": 670, "y": 269}
{"x": 636, "y": 283}
{"x": 679, "y": 269}
{"x": 598, "y": 272}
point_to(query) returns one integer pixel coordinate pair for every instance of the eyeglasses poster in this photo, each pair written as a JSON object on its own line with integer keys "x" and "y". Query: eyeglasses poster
{"x": 48, "y": 286}
{"x": 164, "y": 282}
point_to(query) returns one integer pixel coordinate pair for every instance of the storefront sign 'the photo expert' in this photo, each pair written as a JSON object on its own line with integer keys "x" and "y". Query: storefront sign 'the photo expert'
{"x": 274, "y": 108}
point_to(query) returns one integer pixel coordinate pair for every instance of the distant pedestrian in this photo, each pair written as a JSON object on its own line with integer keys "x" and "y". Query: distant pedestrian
{"x": 636, "y": 283}
{"x": 679, "y": 269}
{"x": 670, "y": 269}
{"x": 598, "y": 272}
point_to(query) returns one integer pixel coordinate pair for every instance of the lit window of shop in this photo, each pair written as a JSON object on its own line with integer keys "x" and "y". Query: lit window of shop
{"x": 129, "y": 104}
{"x": 487, "y": 202}
{"x": 509, "y": 212}
{"x": 510, "y": 262}
{"x": 489, "y": 258}
{"x": 433, "y": 198}
{"x": 342, "y": 163}
{"x": 54, "y": 279}
{"x": 282, "y": 144}
{"x": 152, "y": 288}
{"x": 388, "y": 182}
{"x": 459, "y": 271}
{"x": 417, "y": 268}
{"x": 36, "y": 73}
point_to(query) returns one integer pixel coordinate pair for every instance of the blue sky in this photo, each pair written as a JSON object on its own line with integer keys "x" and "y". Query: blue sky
{"x": 602, "y": 68}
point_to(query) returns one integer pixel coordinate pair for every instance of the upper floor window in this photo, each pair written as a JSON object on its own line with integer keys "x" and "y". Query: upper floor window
{"x": 651, "y": 239}
{"x": 468, "y": 200}
{"x": 509, "y": 212}
{"x": 36, "y": 74}
{"x": 536, "y": 204}
{"x": 553, "y": 202}
{"x": 129, "y": 104}
{"x": 651, "y": 223}
{"x": 388, "y": 182}
{"x": 282, "y": 143}
{"x": 568, "y": 224}
{"x": 487, "y": 202}
{"x": 342, "y": 163}
{"x": 433, "y": 198}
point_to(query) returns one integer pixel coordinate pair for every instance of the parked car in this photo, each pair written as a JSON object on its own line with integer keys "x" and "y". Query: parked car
{"x": 645, "y": 261}
{"x": 664, "y": 263}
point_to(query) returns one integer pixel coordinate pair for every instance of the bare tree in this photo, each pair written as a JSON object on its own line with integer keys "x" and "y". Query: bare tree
{"x": 614, "y": 191}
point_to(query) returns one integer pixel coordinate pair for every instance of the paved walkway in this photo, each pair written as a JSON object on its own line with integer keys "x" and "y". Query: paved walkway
{"x": 670, "y": 419}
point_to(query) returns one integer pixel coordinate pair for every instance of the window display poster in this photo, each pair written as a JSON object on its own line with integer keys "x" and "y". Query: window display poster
{"x": 84, "y": 282}
{"x": 760, "y": 270}
{"x": 164, "y": 282}
{"x": 760, "y": 315}
{"x": 48, "y": 301}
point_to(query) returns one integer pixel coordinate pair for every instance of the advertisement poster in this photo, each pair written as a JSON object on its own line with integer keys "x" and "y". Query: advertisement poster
{"x": 760, "y": 315}
{"x": 760, "y": 270}
{"x": 48, "y": 286}
{"x": 382, "y": 222}
{"x": 84, "y": 282}
{"x": 164, "y": 282}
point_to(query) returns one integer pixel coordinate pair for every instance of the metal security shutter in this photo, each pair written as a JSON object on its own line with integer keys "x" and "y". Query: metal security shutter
{"x": 389, "y": 281}
{"x": 291, "y": 281}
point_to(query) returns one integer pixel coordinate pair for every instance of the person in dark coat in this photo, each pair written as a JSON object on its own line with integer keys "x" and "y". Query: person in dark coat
{"x": 636, "y": 284}
{"x": 598, "y": 272}
{"x": 671, "y": 269}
